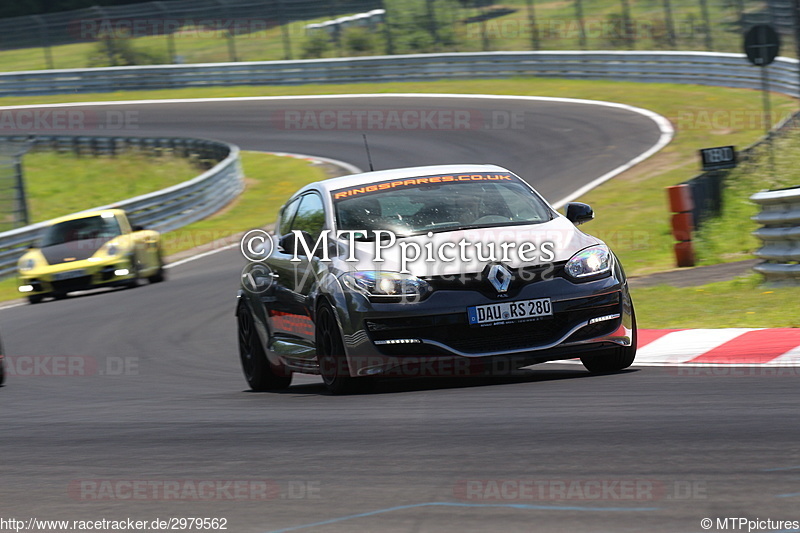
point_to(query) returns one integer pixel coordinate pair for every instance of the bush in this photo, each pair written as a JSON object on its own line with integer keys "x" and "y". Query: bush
{"x": 117, "y": 50}
{"x": 358, "y": 41}
{"x": 418, "y": 26}
{"x": 317, "y": 44}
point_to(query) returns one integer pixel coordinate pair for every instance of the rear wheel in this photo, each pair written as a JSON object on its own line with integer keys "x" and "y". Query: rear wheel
{"x": 330, "y": 354}
{"x": 260, "y": 375}
{"x": 161, "y": 274}
{"x": 614, "y": 359}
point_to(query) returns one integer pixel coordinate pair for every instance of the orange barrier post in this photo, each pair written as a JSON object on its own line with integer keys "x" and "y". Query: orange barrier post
{"x": 681, "y": 204}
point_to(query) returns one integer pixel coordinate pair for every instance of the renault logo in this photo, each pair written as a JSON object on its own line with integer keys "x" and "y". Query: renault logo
{"x": 499, "y": 277}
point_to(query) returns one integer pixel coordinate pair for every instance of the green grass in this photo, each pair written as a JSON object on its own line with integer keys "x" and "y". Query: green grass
{"x": 742, "y": 303}
{"x": 729, "y": 237}
{"x": 270, "y": 180}
{"x": 61, "y": 183}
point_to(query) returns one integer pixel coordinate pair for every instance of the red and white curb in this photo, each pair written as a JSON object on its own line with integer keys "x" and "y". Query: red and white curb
{"x": 778, "y": 347}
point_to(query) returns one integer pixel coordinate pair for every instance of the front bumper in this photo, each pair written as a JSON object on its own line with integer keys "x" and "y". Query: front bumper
{"x": 434, "y": 338}
{"x": 68, "y": 277}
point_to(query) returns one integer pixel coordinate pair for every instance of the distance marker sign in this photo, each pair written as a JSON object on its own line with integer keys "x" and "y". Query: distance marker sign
{"x": 718, "y": 158}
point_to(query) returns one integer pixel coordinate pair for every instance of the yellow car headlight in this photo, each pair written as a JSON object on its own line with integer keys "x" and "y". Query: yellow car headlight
{"x": 114, "y": 249}
{"x": 26, "y": 264}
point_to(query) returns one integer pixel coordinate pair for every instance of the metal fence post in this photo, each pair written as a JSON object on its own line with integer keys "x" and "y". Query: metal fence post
{"x": 23, "y": 218}
{"x": 670, "y": 24}
{"x": 167, "y": 32}
{"x": 627, "y": 25}
{"x": 432, "y": 22}
{"x": 581, "y": 27}
{"x": 284, "y": 23}
{"x": 387, "y": 30}
{"x": 707, "y": 24}
{"x": 532, "y": 21}
{"x": 44, "y": 38}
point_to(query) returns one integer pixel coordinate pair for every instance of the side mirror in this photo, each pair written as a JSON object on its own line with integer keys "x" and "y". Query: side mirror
{"x": 578, "y": 213}
{"x": 287, "y": 244}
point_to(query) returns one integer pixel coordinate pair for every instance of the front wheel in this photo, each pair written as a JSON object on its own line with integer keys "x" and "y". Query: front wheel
{"x": 613, "y": 359}
{"x": 331, "y": 356}
{"x": 257, "y": 371}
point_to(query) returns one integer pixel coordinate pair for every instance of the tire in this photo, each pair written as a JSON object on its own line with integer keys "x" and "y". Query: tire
{"x": 35, "y": 298}
{"x": 259, "y": 374}
{"x": 614, "y": 359}
{"x": 331, "y": 356}
{"x": 161, "y": 275}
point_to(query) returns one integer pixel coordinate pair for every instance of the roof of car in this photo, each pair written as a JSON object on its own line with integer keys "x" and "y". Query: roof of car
{"x": 85, "y": 214}
{"x": 365, "y": 178}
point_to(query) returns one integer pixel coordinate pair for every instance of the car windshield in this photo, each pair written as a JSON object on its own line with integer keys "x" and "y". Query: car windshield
{"x": 422, "y": 207}
{"x": 95, "y": 227}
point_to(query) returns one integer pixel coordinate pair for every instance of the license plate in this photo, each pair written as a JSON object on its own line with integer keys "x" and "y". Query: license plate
{"x": 506, "y": 312}
{"x": 69, "y": 274}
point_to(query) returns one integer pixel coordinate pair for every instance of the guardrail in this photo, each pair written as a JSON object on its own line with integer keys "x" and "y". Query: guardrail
{"x": 704, "y": 68}
{"x": 780, "y": 216}
{"x": 163, "y": 210}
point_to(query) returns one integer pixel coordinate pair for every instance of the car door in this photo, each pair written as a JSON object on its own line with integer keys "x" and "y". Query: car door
{"x": 293, "y": 280}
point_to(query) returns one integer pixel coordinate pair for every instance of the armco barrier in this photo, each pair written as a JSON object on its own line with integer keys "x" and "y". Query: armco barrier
{"x": 780, "y": 234}
{"x": 704, "y": 68}
{"x": 163, "y": 210}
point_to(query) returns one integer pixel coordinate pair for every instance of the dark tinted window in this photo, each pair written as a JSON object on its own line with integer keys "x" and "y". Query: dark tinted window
{"x": 96, "y": 227}
{"x": 285, "y": 219}
{"x": 310, "y": 215}
{"x": 442, "y": 207}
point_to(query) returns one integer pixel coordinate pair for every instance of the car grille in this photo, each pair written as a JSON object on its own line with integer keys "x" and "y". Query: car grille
{"x": 453, "y": 331}
{"x": 73, "y": 284}
{"x": 479, "y": 281}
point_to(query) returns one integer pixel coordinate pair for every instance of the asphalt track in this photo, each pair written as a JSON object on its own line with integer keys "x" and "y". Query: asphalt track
{"x": 159, "y": 396}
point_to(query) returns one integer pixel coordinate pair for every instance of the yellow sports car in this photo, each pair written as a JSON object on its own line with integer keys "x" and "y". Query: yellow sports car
{"x": 89, "y": 250}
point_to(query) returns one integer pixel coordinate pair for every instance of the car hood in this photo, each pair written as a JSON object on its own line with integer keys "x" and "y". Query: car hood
{"x": 72, "y": 251}
{"x": 554, "y": 241}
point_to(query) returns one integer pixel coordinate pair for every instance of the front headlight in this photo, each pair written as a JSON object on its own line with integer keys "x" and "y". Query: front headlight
{"x": 589, "y": 262}
{"x": 386, "y": 284}
{"x": 113, "y": 248}
{"x": 26, "y": 264}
